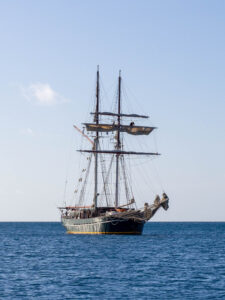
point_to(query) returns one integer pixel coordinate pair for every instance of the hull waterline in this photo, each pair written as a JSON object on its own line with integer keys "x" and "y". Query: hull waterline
{"x": 102, "y": 225}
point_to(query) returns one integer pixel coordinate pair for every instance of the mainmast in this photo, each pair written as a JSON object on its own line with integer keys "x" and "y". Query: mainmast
{"x": 118, "y": 144}
{"x": 96, "y": 141}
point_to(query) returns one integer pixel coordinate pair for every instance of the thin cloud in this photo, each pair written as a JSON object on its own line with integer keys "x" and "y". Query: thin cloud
{"x": 42, "y": 94}
{"x": 19, "y": 192}
{"x": 27, "y": 131}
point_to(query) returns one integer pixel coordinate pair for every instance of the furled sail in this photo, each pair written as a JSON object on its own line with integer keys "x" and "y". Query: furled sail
{"x": 119, "y": 152}
{"x": 131, "y": 129}
{"x": 136, "y": 130}
{"x": 120, "y": 115}
{"x": 100, "y": 127}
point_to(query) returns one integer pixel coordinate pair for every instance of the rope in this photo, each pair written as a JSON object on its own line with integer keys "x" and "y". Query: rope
{"x": 82, "y": 192}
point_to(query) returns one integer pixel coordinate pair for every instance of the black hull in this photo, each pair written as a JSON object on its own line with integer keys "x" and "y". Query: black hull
{"x": 102, "y": 225}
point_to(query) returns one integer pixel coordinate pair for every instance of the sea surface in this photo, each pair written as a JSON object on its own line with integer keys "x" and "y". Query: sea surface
{"x": 169, "y": 261}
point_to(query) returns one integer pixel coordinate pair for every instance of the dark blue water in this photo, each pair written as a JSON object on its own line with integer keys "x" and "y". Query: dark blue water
{"x": 169, "y": 261}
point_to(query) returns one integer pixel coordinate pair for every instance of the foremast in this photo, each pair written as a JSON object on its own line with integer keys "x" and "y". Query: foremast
{"x": 96, "y": 142}
{"x": 118, "y": 144}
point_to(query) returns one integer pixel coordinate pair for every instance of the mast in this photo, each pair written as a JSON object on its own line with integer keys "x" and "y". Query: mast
{"x": 96, "y": 141}
{"x": 118, "y": 144}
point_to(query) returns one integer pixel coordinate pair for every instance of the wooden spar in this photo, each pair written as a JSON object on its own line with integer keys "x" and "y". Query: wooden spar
{"x": 121, "y": 115}
{"x": 120, "y": 152}
{"x": 79, "y": 130}
{"x": 131, "y": 202}
{"x": 75, "y": 207}
{"x": 118, "y": 145}
{"x": 96, "y": 141}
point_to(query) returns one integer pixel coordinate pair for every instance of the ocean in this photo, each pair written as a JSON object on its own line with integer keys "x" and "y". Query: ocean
{"x": 169, "y": 261}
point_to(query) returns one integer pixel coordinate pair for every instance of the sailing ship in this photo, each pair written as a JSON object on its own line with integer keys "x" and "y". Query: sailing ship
{"x": 117, "y": 217}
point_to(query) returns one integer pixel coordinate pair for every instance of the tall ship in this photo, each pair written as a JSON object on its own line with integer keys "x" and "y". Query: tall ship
{"x": 113, "y": 207}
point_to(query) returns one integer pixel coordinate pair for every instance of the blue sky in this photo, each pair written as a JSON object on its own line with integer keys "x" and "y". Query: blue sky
{"x": 172, "y": 58}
